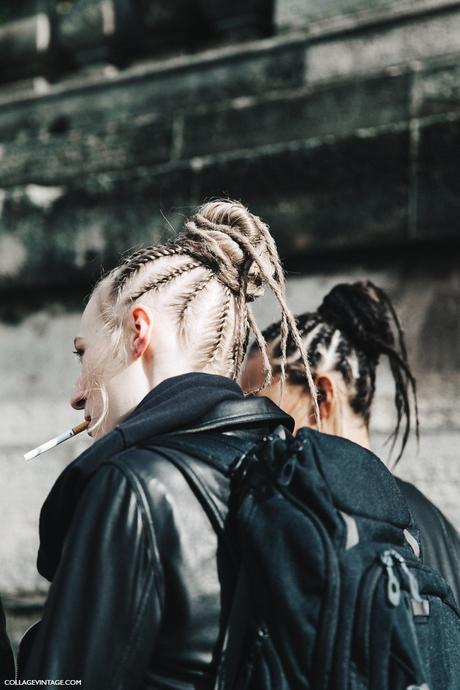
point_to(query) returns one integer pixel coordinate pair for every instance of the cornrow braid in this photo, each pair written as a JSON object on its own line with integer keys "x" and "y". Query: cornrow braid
{"x": 160, "y": 281}
{"x": 220, "y": 333}
{"x": 189, "y": 297}
{"x": 241, "y": 330}
{"x": 355, "y": 324}
{"x": 132, "y": 265}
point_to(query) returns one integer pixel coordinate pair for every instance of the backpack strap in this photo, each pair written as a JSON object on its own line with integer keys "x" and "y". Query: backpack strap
{"x": 230, "y": 455}
{"x": 223, "y": 455}
{"x": 232, "y": 646}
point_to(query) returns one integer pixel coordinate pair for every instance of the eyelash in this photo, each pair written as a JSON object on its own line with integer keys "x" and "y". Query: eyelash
{"x": 78, "y": 354}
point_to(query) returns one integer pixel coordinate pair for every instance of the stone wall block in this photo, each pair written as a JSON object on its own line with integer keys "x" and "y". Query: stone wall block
{"x": 176, "y": 85}
{"x": 89, "y": 223}
{"x": 384, "y": 48}
{"x": 55, "y": 158}
{"x": 330, "y": 16}
{"x": 298, "y": 14}
{"x": 438, "y": 181}
{"x": 349, "y": 107}
{"x": 436, "y": 90}
{"x": 364, "y": 180}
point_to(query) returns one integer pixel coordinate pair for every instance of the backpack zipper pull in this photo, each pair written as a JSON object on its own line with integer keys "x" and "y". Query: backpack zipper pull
{"x": 393, "y": 588}
{"x": 410, "y": 577}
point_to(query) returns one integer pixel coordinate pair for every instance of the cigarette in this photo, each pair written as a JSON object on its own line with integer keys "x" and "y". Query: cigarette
{"x": 56, "y": 441}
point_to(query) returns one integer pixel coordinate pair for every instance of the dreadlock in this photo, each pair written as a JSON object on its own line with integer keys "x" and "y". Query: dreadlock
{"x": 355, "y": 324}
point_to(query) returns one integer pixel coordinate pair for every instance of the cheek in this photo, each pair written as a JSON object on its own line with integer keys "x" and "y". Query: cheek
{"x": 123, "y": 391}
{"x": 90, "y": 378}
{"x": 272, "y": 392}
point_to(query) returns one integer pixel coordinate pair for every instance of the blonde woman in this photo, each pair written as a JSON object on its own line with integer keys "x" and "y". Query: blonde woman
{"x": 141, "y": 580}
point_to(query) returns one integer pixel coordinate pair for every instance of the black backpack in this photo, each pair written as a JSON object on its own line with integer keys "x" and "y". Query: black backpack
{"x": 332, "y": 594}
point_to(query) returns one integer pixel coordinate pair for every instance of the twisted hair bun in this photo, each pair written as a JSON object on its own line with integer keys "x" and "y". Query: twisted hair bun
{"x": 236, "y": 243}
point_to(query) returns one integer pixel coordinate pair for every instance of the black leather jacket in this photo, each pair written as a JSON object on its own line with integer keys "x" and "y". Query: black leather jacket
{"x": 141, "y": 589}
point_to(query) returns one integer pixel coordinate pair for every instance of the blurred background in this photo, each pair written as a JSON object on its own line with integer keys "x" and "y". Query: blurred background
{"x": 338, "y": 121}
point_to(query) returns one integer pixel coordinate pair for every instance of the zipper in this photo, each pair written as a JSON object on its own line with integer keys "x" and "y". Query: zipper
{"x": 409, "y": 577}
{"x": 389, "y": 563}
{"x": 408, "y": 581}
{"x": 393, "y": 587}
{"x": 392, "y": 559}
{"x": 366, "y": 601}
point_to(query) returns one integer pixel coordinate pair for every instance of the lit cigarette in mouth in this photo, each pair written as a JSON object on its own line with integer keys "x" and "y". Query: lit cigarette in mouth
{"x": 56, "y": 440}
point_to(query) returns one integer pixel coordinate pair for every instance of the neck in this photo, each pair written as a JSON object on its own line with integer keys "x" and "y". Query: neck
{"x": 343, "y": 421}
{"x": 358, "y": 433}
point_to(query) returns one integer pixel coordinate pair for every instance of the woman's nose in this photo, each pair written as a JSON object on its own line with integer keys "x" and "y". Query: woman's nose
{"x": 77, "y": 399}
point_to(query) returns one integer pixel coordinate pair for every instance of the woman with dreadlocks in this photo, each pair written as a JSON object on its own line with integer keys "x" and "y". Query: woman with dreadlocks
{"x": 355, "y": 326}
{"x": 141, "y": 576}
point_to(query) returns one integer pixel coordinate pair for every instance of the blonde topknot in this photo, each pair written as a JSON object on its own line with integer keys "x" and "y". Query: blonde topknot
{"x": 230, "y": 236}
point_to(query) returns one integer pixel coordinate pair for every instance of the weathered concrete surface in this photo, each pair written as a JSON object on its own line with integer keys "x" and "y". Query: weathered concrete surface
{"x": 337, "y": 16}
{"x": 343, "y": 136}
{"x": 87, "y": 168}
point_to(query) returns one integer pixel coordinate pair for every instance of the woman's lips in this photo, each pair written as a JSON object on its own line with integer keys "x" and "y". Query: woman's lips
{"x": 88, "y": 419}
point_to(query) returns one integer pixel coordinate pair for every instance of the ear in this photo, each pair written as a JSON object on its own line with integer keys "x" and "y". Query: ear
{"x": 326, "y": 395}
{"x": 141, "y": 330}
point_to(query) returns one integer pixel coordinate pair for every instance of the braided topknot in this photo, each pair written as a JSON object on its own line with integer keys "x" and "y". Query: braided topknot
{"x": 224, "y": 259}
{"x": 356, "y": 324}
{"x": 236, "y": 243}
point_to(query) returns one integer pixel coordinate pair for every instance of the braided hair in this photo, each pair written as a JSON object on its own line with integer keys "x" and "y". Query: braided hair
{"x": 355, "y": 324}
{"x": 205, "y": 280}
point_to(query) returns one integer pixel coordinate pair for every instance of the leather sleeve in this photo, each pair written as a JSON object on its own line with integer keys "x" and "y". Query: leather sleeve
{"x": 103, "y": 611}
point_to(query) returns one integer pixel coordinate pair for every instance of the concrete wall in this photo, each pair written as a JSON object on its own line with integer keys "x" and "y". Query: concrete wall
{"x": 88, "y": 167}
{"x": 342, "y": 131}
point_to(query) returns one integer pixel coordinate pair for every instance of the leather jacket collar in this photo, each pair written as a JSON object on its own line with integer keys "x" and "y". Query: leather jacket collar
{"x": 241, "y": 414}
